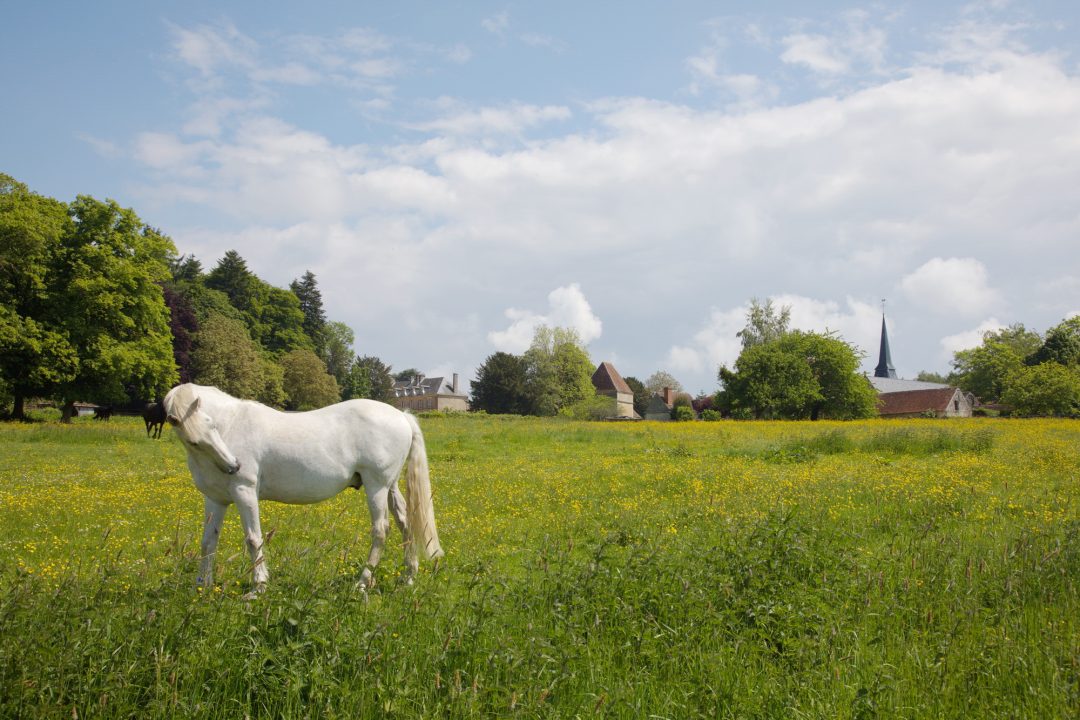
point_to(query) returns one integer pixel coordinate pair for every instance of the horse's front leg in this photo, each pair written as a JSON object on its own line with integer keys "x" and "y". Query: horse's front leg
{"x": 247, "y": 502}
{"x": 214, "y": 514}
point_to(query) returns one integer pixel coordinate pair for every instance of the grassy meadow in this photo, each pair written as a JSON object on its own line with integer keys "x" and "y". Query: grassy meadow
{"x": 893, "y": 569}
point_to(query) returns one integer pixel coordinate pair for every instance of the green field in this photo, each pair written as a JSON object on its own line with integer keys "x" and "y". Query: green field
{"x": 888, "y": 569}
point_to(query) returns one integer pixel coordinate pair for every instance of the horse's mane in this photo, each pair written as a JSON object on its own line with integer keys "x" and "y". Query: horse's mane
{"x": 189, "y": 391}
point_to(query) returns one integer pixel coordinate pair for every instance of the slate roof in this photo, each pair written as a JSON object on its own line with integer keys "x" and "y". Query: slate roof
{"x": 891, "y": 385}
{"x": 426, "y": 386}
{"x": 884, "y": 367}
{"x": 657, "y": 405}
{"x": 608, "y": 378}
{"x": 916, "y": 401}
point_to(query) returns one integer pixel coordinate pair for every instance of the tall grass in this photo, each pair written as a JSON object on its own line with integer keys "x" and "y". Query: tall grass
{"x": 922, "y": 569}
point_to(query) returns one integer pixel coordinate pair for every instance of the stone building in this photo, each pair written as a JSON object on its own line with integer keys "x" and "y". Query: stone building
{"x": 943, "y": 401}
{"x": 420, "y": 394}
{"x": 609, "y": 382}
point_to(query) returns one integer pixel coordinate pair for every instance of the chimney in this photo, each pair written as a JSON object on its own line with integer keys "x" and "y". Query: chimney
{"x": 669, "y": 396}
{"x": 454, "y": 386}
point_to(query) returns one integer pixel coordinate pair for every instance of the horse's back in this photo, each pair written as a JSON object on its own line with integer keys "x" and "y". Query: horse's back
{"x": 310, "y": 456}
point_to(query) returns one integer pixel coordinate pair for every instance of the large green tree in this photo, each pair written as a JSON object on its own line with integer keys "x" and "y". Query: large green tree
{"x": 109, "y": 302}
{"x": 801, "y": 375}
{"x": 661, "y": 379}
{"x": 764, "y": 323}
{"x": 374, "y": 379}
{"x": 307, "y": 384}
{"x": 983, "y": 370}
{"x": 273, "y": 315}
{"x": 36, "y": 356}
{"x": 225, "y": 356}
{"x": 1047, "y": 389}
{"x": 642, "y": 395}
{"x": 558, "y": 370}
{"x": 306, "y": 290}
{"x": 232, "y": 277}
{"x": 500, "y": 385}
{"x": 338, "y": 352}
{"x": 1062, "y": 344}
{"x": 277, "y": 322}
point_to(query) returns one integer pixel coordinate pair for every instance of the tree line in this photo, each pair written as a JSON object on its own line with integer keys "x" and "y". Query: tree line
{"x": 96, "y": 305}
{"x": 1026, "y": 373}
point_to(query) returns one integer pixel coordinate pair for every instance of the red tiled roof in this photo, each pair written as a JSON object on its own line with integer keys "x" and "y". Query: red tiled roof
{"x": 916, "y": 401}
{"x": 608, "y": 378}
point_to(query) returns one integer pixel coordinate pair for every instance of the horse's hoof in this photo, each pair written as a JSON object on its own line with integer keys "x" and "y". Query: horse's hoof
{"x": 255, "y": 593}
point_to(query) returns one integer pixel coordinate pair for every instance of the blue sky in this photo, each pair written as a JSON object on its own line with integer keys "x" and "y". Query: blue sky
{"x": 456, "y": 173}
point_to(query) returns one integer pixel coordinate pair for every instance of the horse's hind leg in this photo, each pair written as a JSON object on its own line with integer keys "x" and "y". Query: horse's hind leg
{"x": 397, "y": 507}
{"x": 376, "y": 500}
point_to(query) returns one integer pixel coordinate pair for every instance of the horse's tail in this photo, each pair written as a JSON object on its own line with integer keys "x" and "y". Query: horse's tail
{"x": 418, "y": 505}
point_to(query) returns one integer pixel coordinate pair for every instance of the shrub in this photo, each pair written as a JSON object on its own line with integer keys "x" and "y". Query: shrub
{"x": 597, "y": 407}
{"x": 710, "y": 415}
{"x": 682, "y": 413}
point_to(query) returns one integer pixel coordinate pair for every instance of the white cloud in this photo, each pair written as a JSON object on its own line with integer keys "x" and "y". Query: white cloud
{"x": 104, "y": 148}
{"x": 497, "y": 24}
{"x": 815, "y": 52}
{"x": 951, "y": 285}
{"x": 715, "y": 344}
{"x": 459, "y": 54}
{"x": 539, "y": 40}
{"x": 567, "y": 308}
{"x": 968, "y": 338}
{"x": 854, "y": 42}
{"x": 508, "y": 120}
{"x": 207, "y": 49}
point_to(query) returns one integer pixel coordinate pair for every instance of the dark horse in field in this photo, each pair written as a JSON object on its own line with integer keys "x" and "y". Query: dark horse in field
{"x": 154, "y": 417}
{"x": 103, "y": 412}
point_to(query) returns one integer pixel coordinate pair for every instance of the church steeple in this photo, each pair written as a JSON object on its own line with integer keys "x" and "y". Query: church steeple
{"x": 884, "y": 367}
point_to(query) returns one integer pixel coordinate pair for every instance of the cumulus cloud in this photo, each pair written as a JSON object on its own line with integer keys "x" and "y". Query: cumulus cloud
{"x": 567, "y": 308}
{"x": 968, "y": 338}
{"x": 951, "y": 285}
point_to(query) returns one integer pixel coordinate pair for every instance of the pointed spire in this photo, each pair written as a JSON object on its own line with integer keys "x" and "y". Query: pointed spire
{"x": 884, "y": 367}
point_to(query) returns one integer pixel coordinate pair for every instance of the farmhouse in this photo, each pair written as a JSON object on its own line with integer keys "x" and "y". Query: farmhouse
{"x": 610, "y": 383}
{"x": 423, "y": 393}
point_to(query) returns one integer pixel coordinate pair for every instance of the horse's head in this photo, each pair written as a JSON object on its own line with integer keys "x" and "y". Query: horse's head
{"x": 199, "y": 432}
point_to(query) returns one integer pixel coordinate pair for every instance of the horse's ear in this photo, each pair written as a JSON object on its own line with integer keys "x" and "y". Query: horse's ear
{"x": 195, "y": 405}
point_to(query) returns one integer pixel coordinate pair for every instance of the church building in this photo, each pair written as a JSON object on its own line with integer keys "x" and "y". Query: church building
{"x": 914, "y": 398}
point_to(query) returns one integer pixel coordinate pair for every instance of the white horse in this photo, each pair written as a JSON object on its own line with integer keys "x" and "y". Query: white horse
{"x": 241, "y": 452}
